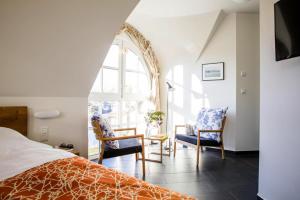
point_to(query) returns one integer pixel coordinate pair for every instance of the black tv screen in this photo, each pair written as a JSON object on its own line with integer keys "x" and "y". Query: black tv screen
{"x": 287, "y": 29}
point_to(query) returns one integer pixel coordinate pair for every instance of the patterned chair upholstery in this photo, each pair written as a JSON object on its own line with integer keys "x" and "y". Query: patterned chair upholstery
{"x": 207, "y": 131}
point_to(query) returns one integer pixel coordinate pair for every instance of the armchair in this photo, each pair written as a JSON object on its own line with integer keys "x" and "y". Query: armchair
{"x": 127, "y": 144}
{"x": 207, "y": 132}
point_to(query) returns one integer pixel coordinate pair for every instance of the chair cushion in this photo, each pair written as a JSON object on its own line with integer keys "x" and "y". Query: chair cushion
{"x": 107, "y": 131}
{"x": 193, "y": 140}
{"x": 128, "y": 146}
{"x": 210, "y": 119}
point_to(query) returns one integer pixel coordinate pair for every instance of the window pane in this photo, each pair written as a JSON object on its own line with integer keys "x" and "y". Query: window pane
{"x": 112, "y": 57}
{"x": 133, "y": 115}
{"x": 129, "y": 115}
{"x": 144, "y": 85}
{"x": 137, "y": 83}
{"x": 97, "y": 84}
{"x": 110, "y": 110}
{"x": 131, "y": 83}
{"x": 141, "y": 67}
{"x": 110, "y": 80}
{"x": 132, "y": 61}
{"x": 93, "y": 107}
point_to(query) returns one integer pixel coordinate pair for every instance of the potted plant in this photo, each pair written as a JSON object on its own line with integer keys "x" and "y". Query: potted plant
{"x": 154, "y": 119}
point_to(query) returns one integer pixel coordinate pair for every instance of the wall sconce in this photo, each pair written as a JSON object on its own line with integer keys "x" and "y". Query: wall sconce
{"x": 47, "y": 114}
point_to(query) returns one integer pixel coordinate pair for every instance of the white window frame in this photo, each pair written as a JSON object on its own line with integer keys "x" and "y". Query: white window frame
{"x": 124, "y": 43}
{"x": 122, "y": 76}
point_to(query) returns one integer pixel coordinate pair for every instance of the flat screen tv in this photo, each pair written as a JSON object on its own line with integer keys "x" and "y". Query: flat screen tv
{"x": 287, "y": 29}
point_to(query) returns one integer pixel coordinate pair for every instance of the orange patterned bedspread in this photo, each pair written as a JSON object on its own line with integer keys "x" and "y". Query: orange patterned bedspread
{"x": 78, "y": 178}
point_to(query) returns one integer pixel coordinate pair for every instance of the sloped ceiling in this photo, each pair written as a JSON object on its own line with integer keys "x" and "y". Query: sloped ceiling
{"x": 178, "y": 37}
{"x": 179, "y": 8}
{"x": 53, "y": 47}
{"x": 183, "y": 29}
{"x": 213, "y": 28}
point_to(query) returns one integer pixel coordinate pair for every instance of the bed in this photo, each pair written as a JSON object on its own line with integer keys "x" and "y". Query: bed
{"x": 32, "y": 170}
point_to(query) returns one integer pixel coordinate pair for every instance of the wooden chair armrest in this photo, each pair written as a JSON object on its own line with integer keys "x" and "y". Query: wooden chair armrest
{"x": 124, "y": 129}
{"x": 210, "y": 131}
{"x": 123, "y": 137}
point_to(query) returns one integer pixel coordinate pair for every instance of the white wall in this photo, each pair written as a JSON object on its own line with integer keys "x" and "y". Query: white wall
{"x": 57, "y": 45}
{"x": 222, "y": 48}
{"x": 70, "y": 127}
{"x": 247, "y": 58}
{"x": 180, "y": 67}
{"x": 279, "y": 174}
{"x": 50, "y": 54}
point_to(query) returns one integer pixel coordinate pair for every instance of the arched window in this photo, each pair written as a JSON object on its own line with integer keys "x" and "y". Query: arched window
{"x": 121, "y": 90}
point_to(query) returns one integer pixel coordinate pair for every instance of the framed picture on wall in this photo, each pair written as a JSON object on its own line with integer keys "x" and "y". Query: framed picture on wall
{"x": 213, "y": 71}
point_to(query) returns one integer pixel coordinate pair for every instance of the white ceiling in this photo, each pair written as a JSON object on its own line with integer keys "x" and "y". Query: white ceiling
{"x": 173, "y": 8}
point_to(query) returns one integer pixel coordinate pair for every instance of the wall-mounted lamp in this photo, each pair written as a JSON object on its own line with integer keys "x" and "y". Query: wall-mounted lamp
{"x": 47, "y": 114}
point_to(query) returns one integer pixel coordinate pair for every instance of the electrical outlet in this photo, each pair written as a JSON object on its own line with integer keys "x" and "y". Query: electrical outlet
{"x": 44, "y": 133}
{"x": 44, "y": 130}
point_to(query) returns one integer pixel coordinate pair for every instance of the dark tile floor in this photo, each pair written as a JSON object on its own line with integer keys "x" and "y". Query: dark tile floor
{"x": 235, "y": 178}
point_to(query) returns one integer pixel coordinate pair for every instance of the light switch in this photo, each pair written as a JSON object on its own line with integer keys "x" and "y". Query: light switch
{"x": 243, "y": 91}
{"x": 243, "y": 74}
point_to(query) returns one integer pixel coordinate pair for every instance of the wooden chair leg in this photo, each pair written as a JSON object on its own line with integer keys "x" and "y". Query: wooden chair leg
{"x": 198, "y": 147}
{"x": 137, "y": 156}
{"x": 101, "y": 153}
{"x": 161, "y": 151}
{"x": 222, "y": 151}
{"x": 143, "y": 158}
{"x": 174, "y": 149}
{"x": 100, "y": 159}
{"x": 143, "y": 162}
{"x": 198, "y": 152}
